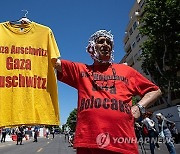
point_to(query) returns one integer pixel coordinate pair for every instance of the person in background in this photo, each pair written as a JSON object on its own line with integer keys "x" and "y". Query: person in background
{"x": 105, "y": 91}
{"x": 163, "y": 129}
{"x": 140, "y": 137}
{"x": 35, "y": 134}
{"x": 66, "y": 132}
{"x": 3, "y": 138}
{"x": 20, "y": 135}
{"x": 138, "y": 130}
{"x": 174, "y": 132}
{"x": 17, "y": 132}
{"x": 66, "y": 135}
{"x": 71, "y": 138}
{"x": 152, "y": 133}
{"x": 47, "y": 133}
{"x": 52, "y": 132}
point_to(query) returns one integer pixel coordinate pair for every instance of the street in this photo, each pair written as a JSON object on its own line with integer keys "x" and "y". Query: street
{"x": 58, "y": 146}
{"x": 43, "y": 146}
{"x": 162, "y": 150}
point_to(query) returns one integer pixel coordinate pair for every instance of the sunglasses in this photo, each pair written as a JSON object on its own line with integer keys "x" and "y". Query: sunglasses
{"x": 103, "y": 40}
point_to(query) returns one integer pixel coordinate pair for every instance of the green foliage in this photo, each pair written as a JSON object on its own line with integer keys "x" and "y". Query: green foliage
{"x": 71, "y": 121}
{"x": 161, "y": 56}
{"x": 50, "y": 127}
{"x": 63, "y": 127}
{"x": 134, "y": 100}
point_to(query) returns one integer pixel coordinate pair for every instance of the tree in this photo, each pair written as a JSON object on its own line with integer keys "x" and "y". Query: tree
{"x": 71, "y": 121}
{"x": 161, "y": 57}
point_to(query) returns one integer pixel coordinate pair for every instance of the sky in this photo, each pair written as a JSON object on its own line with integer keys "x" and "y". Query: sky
{"x": 72, "y": 22}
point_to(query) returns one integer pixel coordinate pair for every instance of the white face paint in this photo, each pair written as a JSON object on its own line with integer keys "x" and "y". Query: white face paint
{"x": 103, "y": 48}
{"x": 97, "y": 49}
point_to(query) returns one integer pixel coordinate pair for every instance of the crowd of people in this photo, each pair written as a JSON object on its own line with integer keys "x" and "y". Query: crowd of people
{"x": 153, "y": 133}
{"x": 21, "y": 132}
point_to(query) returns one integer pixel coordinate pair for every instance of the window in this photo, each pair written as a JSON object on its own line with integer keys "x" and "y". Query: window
{"x": 137, "y": 55}
{"x": 138, "y": 38}
{"x": 142, "y": 3}
{"x": 140, "y": 52}
{"x": 130, "y": 62}
{"x": 134, "y": 25}
{"x": 130, "y": 31}
{"x": 129, "y": 50}
{"x": 133, "y": 45}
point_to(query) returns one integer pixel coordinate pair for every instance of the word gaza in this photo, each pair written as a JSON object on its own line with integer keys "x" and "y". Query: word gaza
{"x": 23, "y": 64}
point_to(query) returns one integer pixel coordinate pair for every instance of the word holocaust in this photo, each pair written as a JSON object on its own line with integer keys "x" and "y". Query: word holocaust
{"x": 106, "y": 103}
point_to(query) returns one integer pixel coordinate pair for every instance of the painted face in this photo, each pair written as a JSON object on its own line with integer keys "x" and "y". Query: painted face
{"x": 104, "y": 48}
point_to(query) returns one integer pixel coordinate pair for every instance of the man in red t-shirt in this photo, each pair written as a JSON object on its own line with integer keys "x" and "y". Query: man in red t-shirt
{"x": 105, "y": 117}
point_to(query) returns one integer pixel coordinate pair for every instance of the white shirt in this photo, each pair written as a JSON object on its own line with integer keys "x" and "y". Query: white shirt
{"x": 149, "y": 123}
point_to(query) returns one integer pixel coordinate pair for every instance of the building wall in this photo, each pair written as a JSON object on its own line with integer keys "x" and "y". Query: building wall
{"x": 132, "y": 42}
{"x": 133, "y": 39}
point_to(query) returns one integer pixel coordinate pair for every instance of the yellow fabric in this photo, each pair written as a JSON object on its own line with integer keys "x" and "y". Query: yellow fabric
{"x": 28, "y": 86}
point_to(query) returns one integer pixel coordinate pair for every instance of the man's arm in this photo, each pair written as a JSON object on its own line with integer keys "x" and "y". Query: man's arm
{"x": 150, "y": 97}
{"x": 146, "y": 100}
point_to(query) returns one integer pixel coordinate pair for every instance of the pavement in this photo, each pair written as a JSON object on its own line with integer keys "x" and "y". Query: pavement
{"x": 56, "y": 145}
{"x": 64, "y": 147}
{"x": 162, "y": 150}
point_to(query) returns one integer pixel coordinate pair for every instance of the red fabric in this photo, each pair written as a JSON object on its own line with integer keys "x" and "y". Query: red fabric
{"x": 104, "y": 115}
{"x": 145, "y": 130}
{"x": 94, "y": 151}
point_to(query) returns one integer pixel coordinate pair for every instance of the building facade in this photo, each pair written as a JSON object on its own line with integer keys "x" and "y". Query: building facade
{"x": 132, "y": 47}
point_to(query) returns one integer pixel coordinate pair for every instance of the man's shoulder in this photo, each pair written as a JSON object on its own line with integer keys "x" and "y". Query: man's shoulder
{"x": 76, "y": 64}
{"x": 123, "y": 67}
{"x": 69, "y": 61}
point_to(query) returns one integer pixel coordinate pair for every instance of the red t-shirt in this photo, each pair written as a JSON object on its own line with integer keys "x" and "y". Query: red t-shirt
{"x": 104, "y": 102}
